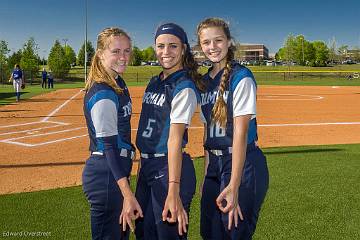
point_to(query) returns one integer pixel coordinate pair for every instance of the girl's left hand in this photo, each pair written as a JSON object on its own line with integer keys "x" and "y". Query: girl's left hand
{"x": 174, "y": 211}
{"x": 227, "y": 202}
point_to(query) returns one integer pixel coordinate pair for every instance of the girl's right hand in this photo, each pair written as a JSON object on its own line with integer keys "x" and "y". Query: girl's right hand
{"x": 174, "y": 212}
{"x": 227, "y": 202}
{"x": 131, "y": 211}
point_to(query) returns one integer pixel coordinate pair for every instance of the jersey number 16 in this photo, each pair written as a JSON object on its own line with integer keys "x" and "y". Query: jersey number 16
{"x": 216, "y": 130}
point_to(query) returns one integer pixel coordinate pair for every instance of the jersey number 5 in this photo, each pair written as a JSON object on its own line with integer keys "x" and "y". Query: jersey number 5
{"x": 216, "y": 130}
{"x": 148, "y": 131}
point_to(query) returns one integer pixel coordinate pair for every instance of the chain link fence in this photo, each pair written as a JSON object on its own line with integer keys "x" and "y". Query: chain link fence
{"x": 144, "y": 77}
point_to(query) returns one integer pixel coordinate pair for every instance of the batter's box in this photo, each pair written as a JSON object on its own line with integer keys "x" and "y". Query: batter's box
{"x": 40, "y": 133}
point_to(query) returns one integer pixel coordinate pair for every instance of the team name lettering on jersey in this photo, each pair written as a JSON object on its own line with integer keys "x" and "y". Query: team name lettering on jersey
{"x": 154, "y": 98}
{"x": 127, "y": 109}
{"x": 210, "y": 97}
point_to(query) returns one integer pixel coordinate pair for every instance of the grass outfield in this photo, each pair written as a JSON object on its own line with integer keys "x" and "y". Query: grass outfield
{"x": 313, "y": 194}
{"x": 7, "y": 94}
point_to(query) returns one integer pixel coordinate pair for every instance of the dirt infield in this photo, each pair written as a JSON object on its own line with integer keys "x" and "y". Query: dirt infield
{"x": 44, "y": 140}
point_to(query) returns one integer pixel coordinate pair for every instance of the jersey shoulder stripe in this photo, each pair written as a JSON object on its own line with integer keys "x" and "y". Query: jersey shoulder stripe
{"x": 101, "y": 95}
{"x": 239, "y": 73}
{"x": 186, "y": 83}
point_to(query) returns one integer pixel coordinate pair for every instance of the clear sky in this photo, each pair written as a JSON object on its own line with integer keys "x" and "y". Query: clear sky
{"x": 267, "y": 22}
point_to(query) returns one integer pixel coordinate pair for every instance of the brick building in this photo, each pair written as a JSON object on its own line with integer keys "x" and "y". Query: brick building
{"x": 251, "y": 52}
{"x": 244, "y": 52}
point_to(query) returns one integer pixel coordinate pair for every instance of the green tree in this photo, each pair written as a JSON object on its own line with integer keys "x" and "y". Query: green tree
{"x": 57, "y": 61}
{"x": 333, "y": 57}
{"x": 343, "y": 50}
{"x": 290, "y": 48}
{"x": 309, "y": 53}
{"x": 29, "y": 58}
{"x": 356, "y": 54}
{"x": 81, "y": 55}
{"x": 70, "y": 55}
{"x": 136, "y": 56}
{"x": 14, "y": 58}
{"x": 321, "y": 53}
{"x": 148, "y": 54}
{"x": 4, "y": 50}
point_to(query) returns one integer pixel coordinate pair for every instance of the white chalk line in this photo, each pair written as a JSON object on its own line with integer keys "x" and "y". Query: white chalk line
{"x": 27, "y": 131}
{"x": 44, "y": 134}
{"x": 308, "y": 124}
{"x": 44, "y": 120}
{"x": 274, "y": 97}
{"x": 60, "y": 107}
{"x": 44, "y": 143}
{"x": 11, "y": 140}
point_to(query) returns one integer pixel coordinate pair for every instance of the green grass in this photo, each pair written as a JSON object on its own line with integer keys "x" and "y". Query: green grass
{"x": 313, "y": 194}
{"x": 139, "y": 76}
{"x": 7, "y": 94}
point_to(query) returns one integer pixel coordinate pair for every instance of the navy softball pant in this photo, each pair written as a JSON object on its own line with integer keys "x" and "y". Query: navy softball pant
{"x": 105, "y": 198}
{"x": 252, "y": 191}
{"x": 151, "y": 193}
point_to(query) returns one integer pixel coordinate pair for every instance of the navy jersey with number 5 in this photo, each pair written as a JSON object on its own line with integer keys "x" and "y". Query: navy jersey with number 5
{"x": 240, "y": 97}
{"x": 172, "y": 100}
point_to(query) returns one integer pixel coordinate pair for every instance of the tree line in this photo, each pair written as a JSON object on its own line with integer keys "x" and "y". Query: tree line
{"x": 316, "y": 54}
{"x": 60, "y": 59}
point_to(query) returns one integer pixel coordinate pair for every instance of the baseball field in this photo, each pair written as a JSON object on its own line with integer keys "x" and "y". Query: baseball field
{"x": 310, "y": 135}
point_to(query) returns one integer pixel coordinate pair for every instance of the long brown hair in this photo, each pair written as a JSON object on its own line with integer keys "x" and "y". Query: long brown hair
{"x": 219, "y": 112}
{"x": 97, "y": 72}
{"x": 191, "y": 66}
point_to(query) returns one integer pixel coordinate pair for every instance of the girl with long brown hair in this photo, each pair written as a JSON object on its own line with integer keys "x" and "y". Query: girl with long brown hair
{"x": 236, "y": 174}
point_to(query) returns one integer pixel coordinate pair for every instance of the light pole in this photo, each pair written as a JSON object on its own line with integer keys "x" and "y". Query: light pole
{"x": 44, "y": 51}
{"x": 85, "y": 41}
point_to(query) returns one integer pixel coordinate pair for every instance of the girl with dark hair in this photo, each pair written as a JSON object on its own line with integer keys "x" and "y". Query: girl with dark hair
{"x": 166, "y": 180}
{"x": 107, "y": 109}
{"x": 236, "y": 174}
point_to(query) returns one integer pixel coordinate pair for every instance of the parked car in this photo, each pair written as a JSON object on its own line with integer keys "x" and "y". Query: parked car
{"x": 348, "y": 61}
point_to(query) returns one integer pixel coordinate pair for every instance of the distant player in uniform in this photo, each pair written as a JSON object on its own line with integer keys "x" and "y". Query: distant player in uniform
{"x": 44, "y": 77}
{"x": 107, "y": 109}
{"x": 17, "y": 77}
{"x": 50, "y": 80}
{"x": 236, "y": 171}
{"x": 166, "y": 180}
